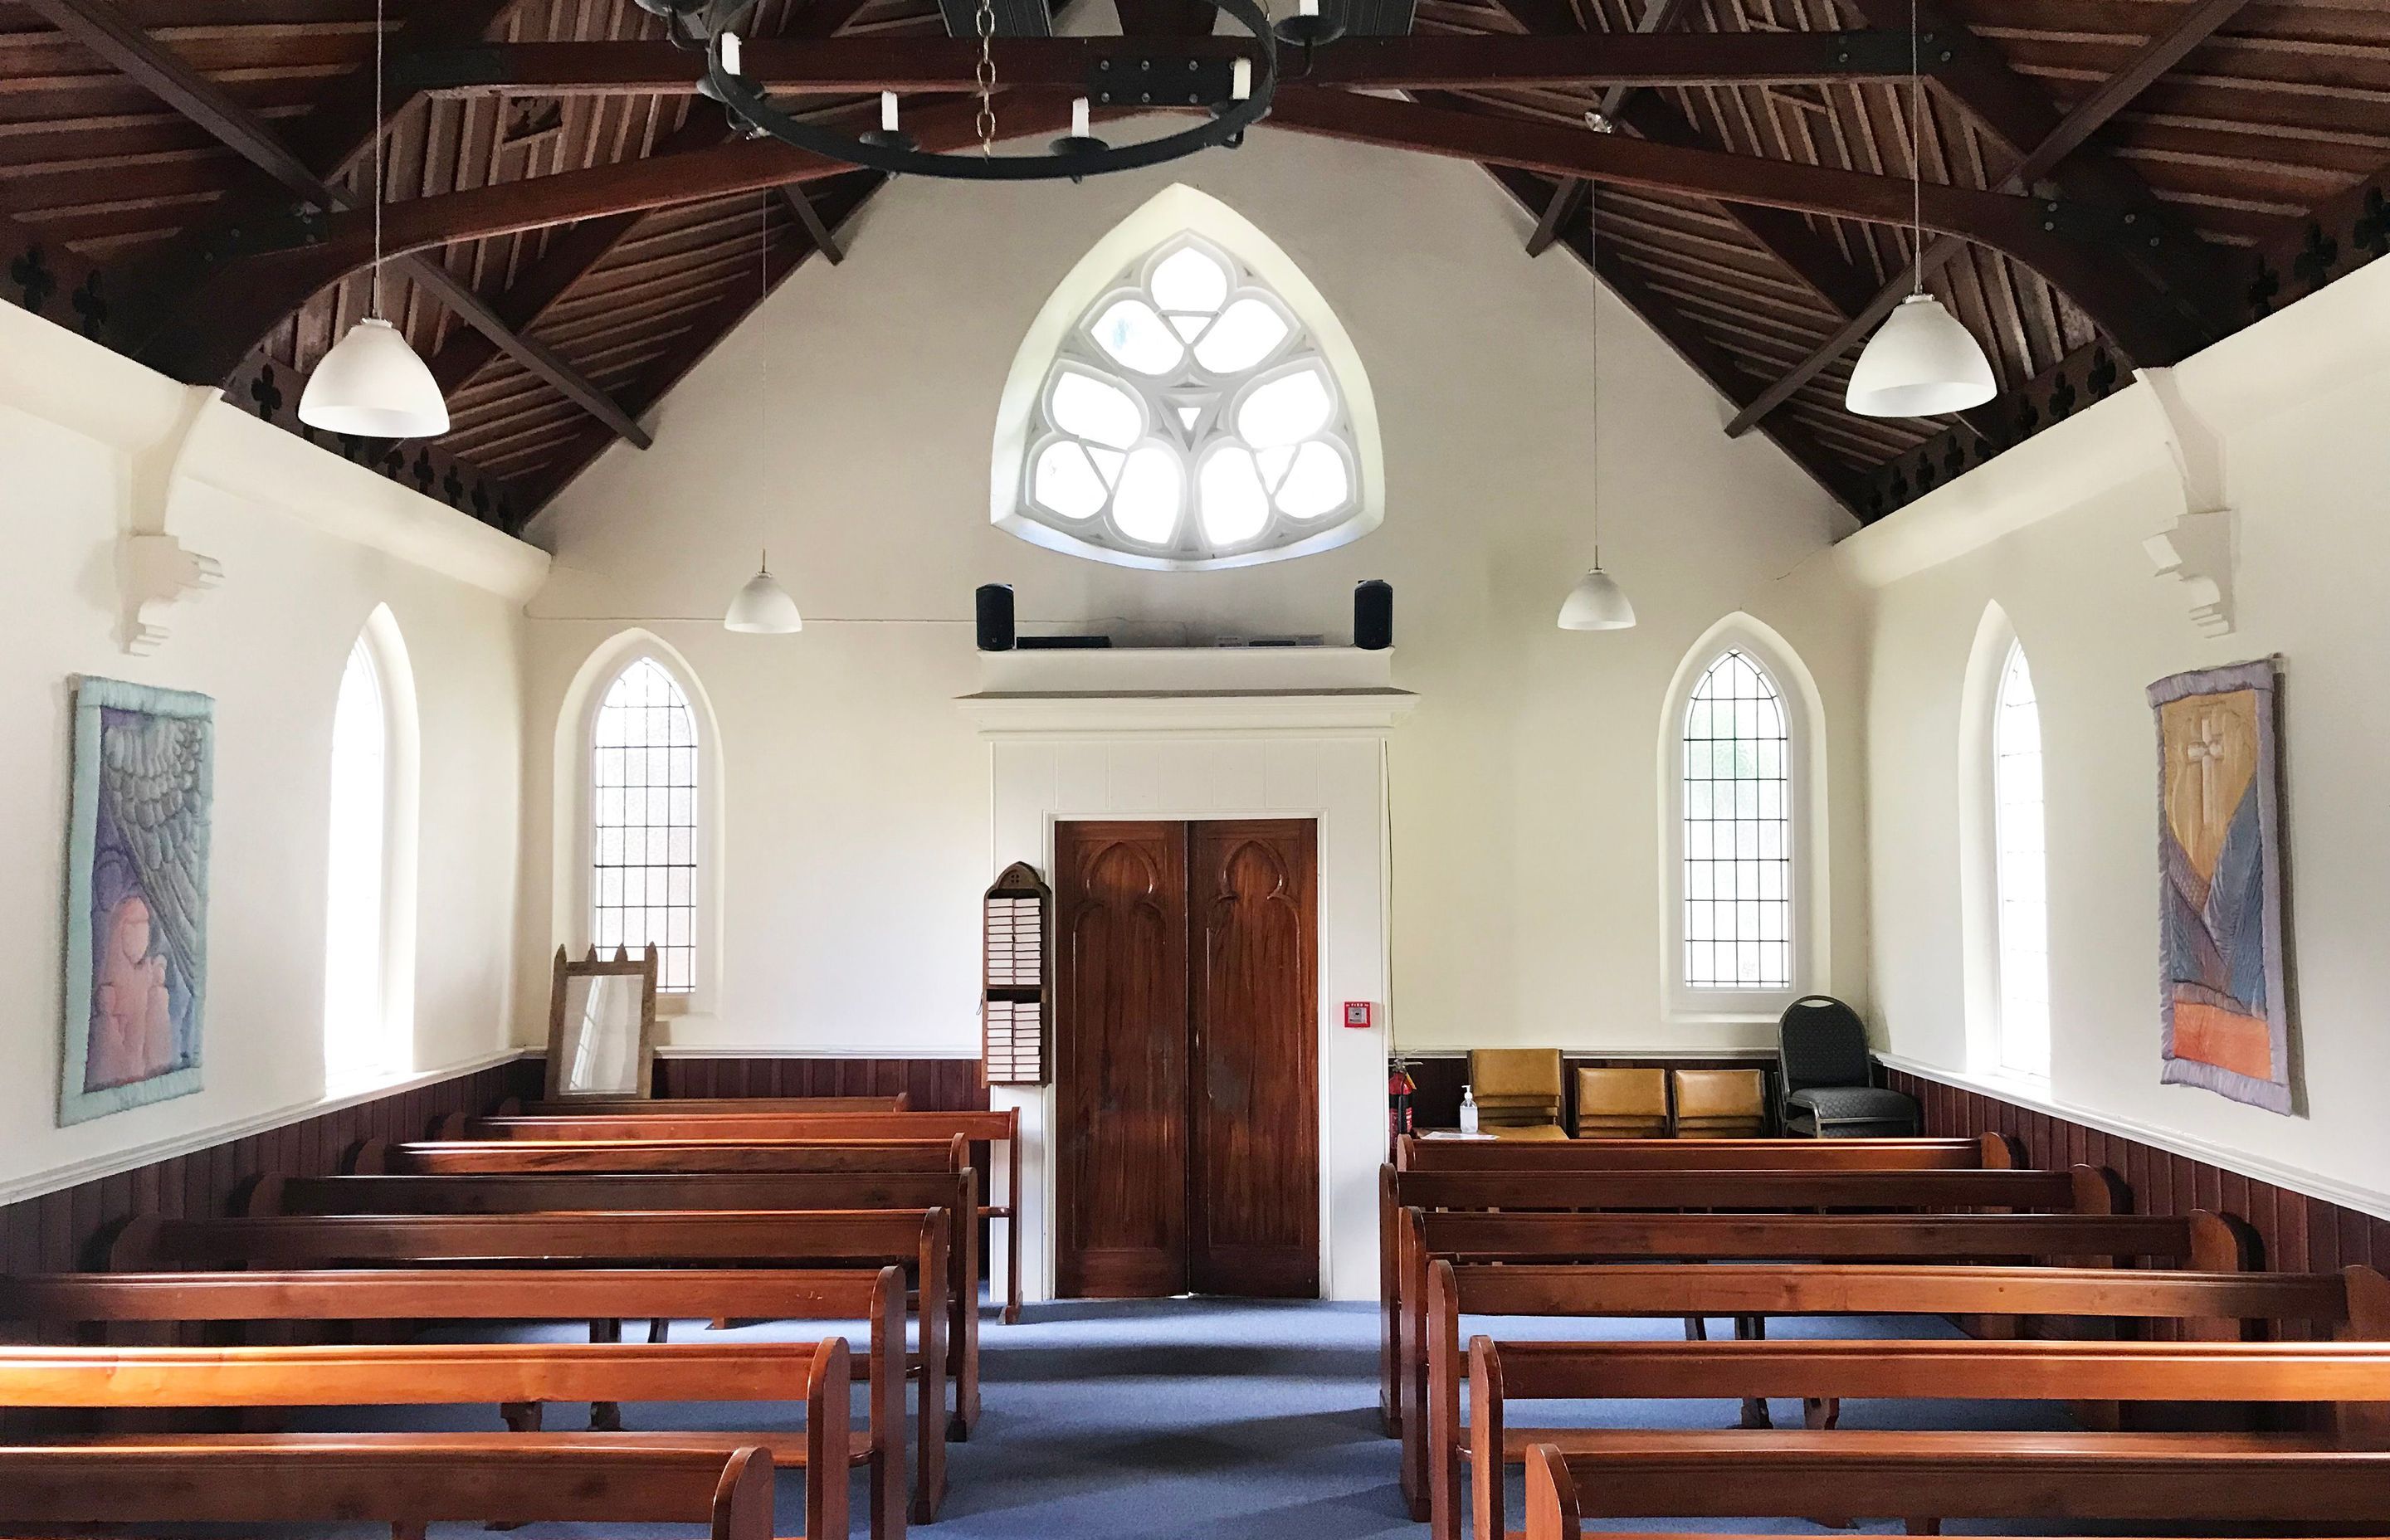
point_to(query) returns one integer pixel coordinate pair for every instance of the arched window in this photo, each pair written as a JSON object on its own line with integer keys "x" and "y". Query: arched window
{"x": 643, "y": 822}
{"x": 2021, "y": 868}
{"x": 369, "y": 889}
{"x": 1737, "y": 830}
{"x": 1187, "y": 401}
{"x": 1742, "y": 794}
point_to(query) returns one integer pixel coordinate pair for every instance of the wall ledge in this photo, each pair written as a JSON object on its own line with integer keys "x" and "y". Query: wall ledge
{"x": 116, "y": 1163}
{"x": 2018, "y": 1093}
{"x": 783, "y": 1050}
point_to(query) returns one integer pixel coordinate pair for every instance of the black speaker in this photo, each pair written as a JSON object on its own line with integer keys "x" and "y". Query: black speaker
{"x": 996, "y": 616}
{"x": 1373, "y": 615}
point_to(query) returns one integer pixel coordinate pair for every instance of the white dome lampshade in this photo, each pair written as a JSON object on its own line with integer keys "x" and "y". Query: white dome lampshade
{"x": 1921, "y": 363}
{"x": 371, "y": 384}
{"x": 1597, "y": 603}
{"x": 763, "y": 606}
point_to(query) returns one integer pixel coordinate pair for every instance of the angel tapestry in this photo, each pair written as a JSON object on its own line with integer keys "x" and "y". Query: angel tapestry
{"x": 136, "y": 931}
{"x": 2224, "y": 998}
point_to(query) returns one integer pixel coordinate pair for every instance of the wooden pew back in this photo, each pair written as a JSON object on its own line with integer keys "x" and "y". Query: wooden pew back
{"x": 1413, "y": 1153}
{"x": 407, "y": 1482}
{"x": 814, "y": 1374}
{"x": 478, "y": 1157}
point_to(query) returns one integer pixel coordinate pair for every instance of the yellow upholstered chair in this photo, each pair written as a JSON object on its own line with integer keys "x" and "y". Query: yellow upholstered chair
{"x": 1518, "y": 1092}
{"x": 1721, "y": 1104}
{"x": 1622, "y": 1104}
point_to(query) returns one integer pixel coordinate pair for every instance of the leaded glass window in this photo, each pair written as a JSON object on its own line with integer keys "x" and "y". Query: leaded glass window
{"x": 1190, "y": 417}
{"x": 643, "y": 805}
{"x": 2022, "y": 871}
{"x": 1737, "y": 830}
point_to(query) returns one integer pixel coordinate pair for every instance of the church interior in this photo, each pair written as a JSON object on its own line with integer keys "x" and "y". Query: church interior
{"x": 1183, "y": 768}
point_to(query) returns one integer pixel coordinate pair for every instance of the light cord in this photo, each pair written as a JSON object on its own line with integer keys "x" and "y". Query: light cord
{"x": 1916, "y": 157}
{"x": 373, "y": 306}
{"x": 1593, "y": 259}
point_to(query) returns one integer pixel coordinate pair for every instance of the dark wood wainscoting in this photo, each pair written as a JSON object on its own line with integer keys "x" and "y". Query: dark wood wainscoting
{"x": 50, "y": 1233}
{"x": 934, "y": 1084}
{"x": 1436, "y": 1104}
{"x": 2301, "y": 1234}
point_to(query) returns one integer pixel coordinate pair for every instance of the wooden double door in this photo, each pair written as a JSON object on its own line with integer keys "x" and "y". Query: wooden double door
{"x": 1187, "y": 1058}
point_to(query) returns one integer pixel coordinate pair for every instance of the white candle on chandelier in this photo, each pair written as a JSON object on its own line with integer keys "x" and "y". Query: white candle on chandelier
{"x": 730, "y": 53}
{"x": 1079, "y": 118}
{"x": 1306, "y": 7}
{"x": 1241, "y": 80}
{"x": 888, "y": 111}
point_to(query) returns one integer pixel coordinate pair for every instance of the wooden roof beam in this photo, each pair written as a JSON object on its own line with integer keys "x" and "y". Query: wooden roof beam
{"x": 115, "y": 37}
{"x": 1659, "y": 16}
{"x": 2083, "y": 120}
{"x": 1427, "y": 61}
{"x": 246, "y": 296}
{"x": 2185, "y": 275}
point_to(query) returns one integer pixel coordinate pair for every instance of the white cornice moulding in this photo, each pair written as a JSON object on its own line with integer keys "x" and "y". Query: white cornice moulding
{"x": 2330, "y": 345}
{"x": 61, "y": 376}
{"x": 1313, "y": 691}
{"x": 2296, "y": 1178}
{"x": 118, "y": 1161}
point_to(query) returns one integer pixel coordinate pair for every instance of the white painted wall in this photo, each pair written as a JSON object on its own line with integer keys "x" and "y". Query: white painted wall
{"x": 848, "y": 426}
{"x": 2293, "y": 413}
{"x": 309, "y": 545}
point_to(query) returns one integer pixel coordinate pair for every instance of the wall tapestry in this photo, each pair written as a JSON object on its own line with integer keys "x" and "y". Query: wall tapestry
{"x": 137, "y": 933}
{"x": 2221, "y": 944}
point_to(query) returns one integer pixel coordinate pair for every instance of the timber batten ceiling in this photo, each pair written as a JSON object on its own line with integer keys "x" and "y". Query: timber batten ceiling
{"x": 2110, "y": 183}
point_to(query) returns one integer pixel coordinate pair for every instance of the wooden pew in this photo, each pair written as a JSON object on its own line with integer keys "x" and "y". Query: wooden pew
{"x": 814, "y": 1374}
{"x": 1924, "y": 1478}
{"x": 2084, "y": 1190}
{"x": 2206, "y": 1242}
{"x": 479, "y": 1157}
{"x": 956, "y": 1191}
{"x": 2353, "y": 1303}
{"x": 1414, "y": 1153}
{"x": 574, "y": 1106}
{"x": 516, "y": 1294}
{"x": 406, "y": 1482}
{"x": 2352, "y": 1374}
{"x": 979, "y": 1127}
{"x": 806, "y": 1237}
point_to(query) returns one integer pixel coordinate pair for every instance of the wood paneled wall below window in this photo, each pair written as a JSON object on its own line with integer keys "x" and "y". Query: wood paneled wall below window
{"x": 2302, "y": 1234}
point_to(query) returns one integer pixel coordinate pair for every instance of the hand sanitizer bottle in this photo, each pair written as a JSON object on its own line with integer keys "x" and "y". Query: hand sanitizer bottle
{"x": 1467, "y": 1111}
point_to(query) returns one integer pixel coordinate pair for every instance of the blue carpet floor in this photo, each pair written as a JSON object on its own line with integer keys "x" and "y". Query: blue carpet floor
{"x": 1184, "y": 1419}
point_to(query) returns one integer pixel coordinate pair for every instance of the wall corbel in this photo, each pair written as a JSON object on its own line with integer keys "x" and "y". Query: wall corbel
{"x": 154, "y": 569}
{"x": 2200, "y": 550}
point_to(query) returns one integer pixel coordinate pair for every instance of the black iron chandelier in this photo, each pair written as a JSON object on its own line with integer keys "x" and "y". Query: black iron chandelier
{"x": 1230, "y": 94}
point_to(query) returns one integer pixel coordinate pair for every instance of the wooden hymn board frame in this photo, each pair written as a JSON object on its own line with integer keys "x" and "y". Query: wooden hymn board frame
{"x": 1018, "y": 916}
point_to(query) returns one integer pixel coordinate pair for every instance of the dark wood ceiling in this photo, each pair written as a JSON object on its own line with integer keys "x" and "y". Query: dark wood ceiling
{"x": 148, "y": 148}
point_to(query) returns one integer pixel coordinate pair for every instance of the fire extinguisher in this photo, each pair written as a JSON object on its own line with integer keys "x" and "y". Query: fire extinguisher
{"x": 1400, "y": 1088}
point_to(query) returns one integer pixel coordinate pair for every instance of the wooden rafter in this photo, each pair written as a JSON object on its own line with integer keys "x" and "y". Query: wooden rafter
{"x": 247, "y": 295}
{"x": 2085, "y": 118}
{"x": 116, "y": 37}
{"x": 1438, "y": 62}
{"x": 1659, "y": 16}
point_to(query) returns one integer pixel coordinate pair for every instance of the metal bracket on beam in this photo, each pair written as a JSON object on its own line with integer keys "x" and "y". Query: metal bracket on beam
{"x": 1142, "y": 79}
{"x": 2111, "y": 225}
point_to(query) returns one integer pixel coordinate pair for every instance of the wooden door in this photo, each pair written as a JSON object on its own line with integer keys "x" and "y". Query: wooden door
{"x": 1120, "y": 1059}
{"x": 1254, "y": 994}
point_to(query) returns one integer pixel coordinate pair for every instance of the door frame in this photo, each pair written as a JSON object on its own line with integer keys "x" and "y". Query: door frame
{"x": 1321, "y": 819}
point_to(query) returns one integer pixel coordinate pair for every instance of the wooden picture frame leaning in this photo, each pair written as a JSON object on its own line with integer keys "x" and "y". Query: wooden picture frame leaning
{"x": 581, "y": 1000}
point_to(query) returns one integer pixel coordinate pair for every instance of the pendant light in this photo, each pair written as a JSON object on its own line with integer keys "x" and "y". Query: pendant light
{"x": 372, "y": 384}
{"x": 763, "y": 607}
{"x": 1921, "y": 363}
{"x": 1597, "y": 603}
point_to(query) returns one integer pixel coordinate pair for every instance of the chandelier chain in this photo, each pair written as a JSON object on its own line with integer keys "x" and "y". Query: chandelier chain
{"x": 986, "y": 76}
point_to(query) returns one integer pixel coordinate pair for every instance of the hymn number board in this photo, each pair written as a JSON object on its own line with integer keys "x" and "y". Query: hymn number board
{"x": 1018, "y": 911}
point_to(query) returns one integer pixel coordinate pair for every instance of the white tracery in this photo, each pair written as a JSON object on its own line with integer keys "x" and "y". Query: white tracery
{"x": 1188, "y": 416}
